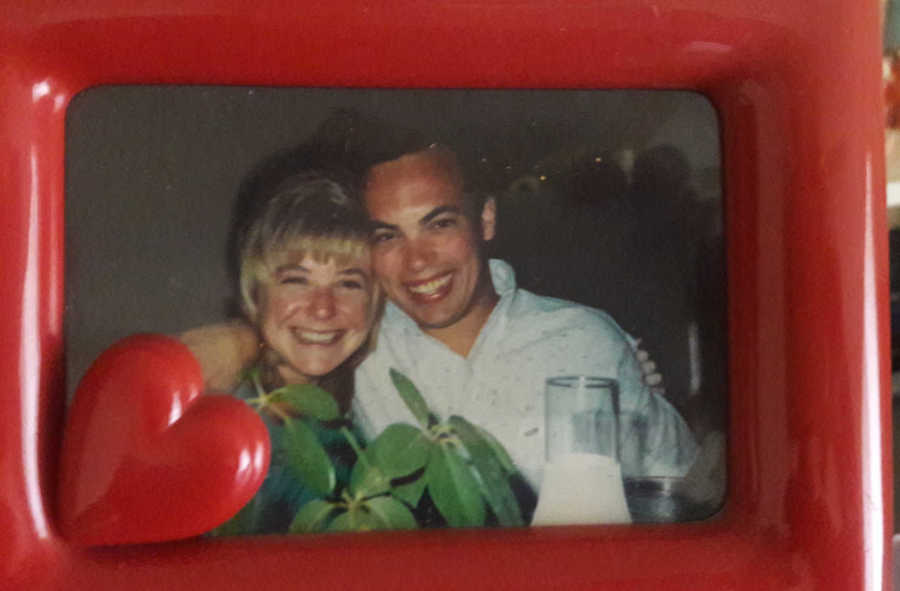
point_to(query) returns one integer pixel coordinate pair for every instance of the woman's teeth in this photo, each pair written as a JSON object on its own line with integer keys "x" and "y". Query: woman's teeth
{"x": 431, "y": 287}
{"x": 318, "y": 338}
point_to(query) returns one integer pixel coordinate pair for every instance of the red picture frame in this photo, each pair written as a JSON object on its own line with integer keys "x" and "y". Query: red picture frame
{"x": 797, "y": 89}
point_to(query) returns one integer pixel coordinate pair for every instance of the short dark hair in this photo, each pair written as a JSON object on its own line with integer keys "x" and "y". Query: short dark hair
{"x": 474, "y": 190}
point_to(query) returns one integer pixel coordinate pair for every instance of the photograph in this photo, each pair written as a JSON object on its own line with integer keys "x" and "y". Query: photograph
{"x": 447, "y": 308}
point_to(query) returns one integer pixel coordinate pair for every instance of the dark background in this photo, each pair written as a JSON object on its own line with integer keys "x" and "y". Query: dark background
{"x": 608, "y": 198}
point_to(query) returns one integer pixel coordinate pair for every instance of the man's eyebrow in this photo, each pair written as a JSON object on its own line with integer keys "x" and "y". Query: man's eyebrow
{"x": 375, "y": 225}
{"x": 379, "y": 225}
{"x": 441, "y": 209}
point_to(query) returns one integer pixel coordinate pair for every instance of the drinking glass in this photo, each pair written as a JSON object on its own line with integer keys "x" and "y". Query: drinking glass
{"x": 582, "y": 481}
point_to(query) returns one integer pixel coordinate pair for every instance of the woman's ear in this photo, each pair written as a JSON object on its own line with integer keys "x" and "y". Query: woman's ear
{"x": 489, "y": 219}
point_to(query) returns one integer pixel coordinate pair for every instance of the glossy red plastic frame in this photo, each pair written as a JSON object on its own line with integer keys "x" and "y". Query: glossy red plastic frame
{"x": 797, "y": 88}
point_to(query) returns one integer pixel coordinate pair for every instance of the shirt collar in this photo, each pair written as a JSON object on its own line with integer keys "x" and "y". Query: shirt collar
{"x": 502, "y": 276}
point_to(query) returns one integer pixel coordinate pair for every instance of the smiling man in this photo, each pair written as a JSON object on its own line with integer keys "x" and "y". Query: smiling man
{"x": 427, "y": 245}
{"x": 475, "y": 344}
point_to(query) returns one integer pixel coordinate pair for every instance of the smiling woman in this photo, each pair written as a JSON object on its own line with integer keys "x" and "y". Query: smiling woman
{"x": 307, "y": 288}
{"x": 305, "y": 278}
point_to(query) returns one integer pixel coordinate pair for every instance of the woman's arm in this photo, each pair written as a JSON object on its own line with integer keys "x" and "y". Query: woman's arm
{"x": 223, "y": 351}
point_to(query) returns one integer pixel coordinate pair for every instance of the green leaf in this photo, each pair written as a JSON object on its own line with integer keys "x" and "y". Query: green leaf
{"x": 400, "y": 450}
{"x": 493, "y": 483}
{"x": 240, "y": 524}
{"x": 412, "y": 398}
{"x": 453, "y": 488}
{"x": 312, "y": 516}
{"x": 307, "y": 459}
{"x": 410, "y": 492}
{"x": 367, "y": 479}
{"x": 356, "y": 519}
{"x": 309, "y": 400}
{"x": 502, "y": 456}
{"x": 392, "y": 513}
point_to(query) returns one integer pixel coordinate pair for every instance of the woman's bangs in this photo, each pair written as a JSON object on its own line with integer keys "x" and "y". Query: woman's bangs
{"x": 342, "y": 250}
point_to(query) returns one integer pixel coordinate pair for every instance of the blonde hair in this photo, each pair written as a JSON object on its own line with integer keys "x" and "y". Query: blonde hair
{"x": 308, "y": 214}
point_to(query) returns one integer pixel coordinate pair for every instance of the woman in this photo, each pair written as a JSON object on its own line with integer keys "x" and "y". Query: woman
{"x": 307, "y": 287}
{"x": 306, "y": 281}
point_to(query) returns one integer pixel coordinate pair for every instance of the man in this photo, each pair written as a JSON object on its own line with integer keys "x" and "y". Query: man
{"x": 473, "y": 343}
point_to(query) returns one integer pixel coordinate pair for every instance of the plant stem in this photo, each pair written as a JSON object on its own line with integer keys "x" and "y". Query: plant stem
{"x": 355, "y": 445}
{"x": 254, "y": 379}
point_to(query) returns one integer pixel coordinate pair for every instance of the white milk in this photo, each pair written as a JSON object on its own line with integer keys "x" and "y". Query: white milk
{"x": 581, "y": 488}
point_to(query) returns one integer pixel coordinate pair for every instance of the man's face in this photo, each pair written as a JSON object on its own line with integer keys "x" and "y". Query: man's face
{"x": 426, "y": 249}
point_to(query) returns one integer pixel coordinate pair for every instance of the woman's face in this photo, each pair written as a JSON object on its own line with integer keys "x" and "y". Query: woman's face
{"x": 315, "y": 315}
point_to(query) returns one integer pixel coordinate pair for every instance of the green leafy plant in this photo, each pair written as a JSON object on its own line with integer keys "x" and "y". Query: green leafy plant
{"x": 464, "y": 469}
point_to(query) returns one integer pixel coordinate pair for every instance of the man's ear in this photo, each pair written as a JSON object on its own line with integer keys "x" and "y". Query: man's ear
{"x": 489, "y": 219}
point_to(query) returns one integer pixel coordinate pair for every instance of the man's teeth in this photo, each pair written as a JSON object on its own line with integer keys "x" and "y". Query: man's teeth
{"x": 430, "y": 287}
{"x": 318, "y": 337}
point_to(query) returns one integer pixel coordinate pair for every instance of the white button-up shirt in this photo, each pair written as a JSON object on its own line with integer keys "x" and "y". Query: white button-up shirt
{"x": 500, "y": 385}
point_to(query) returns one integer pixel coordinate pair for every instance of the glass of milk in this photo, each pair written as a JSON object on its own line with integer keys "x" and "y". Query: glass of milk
{"x": 582, "y": 482}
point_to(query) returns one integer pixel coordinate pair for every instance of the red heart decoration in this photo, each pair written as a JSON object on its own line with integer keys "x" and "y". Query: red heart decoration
{"x": 146, "y": 457}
